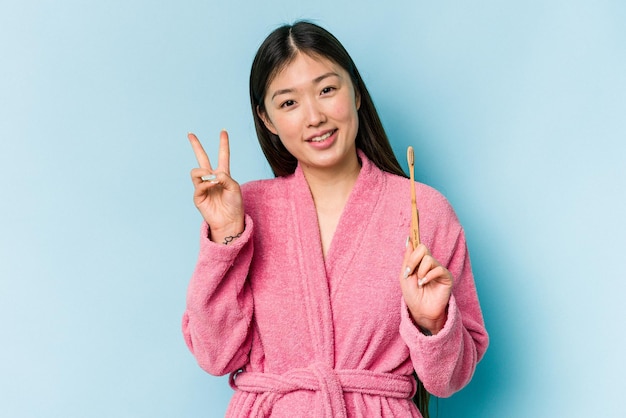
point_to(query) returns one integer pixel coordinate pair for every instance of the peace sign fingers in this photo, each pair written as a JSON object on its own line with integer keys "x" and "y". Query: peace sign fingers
{"x": 223, "y": 158}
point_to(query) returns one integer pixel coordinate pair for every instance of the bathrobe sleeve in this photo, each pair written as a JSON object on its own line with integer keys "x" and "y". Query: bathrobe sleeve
{"x": 445, "y": 362}
{"x": 216, "y": 322}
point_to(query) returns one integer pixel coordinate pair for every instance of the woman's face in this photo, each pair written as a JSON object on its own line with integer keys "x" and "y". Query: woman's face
{"x": 312, "y": 106}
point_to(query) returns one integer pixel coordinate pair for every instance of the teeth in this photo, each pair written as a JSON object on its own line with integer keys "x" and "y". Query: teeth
{"x": 321, "y": 138}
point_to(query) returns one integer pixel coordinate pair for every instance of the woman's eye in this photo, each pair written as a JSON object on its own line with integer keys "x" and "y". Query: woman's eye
{"x": 327, "y": 90}
{"x": 287, "y": 103}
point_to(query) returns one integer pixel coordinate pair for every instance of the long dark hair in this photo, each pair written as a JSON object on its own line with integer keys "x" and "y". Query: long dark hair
{"x": 275, "y": 53}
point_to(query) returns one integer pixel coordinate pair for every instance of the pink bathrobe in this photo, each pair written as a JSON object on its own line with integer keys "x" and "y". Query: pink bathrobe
{"x": 308, "y": 337}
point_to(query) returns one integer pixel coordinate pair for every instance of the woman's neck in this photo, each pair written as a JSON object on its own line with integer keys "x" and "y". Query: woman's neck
{"x": 331, "y": 188}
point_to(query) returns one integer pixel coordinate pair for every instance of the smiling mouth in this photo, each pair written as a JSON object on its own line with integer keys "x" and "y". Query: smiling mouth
{"x": 322, "y": 137}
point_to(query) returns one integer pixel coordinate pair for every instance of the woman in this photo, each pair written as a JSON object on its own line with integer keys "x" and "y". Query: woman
{"x": 307, "y": 290}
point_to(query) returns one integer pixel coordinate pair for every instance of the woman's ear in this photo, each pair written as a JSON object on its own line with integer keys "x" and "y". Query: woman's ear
{"x": 266, "y": 120}
{"x": 357, "y": 99}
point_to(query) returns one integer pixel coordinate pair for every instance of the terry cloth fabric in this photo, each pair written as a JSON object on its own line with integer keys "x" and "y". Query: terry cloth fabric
{"x": 306, "y": 336}
{"x": 331, "y": 385}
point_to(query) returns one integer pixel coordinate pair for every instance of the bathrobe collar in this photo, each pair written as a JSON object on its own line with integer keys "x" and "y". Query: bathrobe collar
{"x": 321, "y": 278}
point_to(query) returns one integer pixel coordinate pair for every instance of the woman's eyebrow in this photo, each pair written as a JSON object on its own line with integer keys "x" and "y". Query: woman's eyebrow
{"x": 323, "y": 76}
{"x": 316, "y": 80}
{"x": 282, "y": 91}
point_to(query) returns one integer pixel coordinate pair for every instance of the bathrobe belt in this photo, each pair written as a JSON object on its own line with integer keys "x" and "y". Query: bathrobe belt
{"x": 330, "y": 385}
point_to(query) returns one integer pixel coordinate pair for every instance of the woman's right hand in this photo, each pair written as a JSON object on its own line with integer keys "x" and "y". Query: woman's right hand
{"x": 219, "y": 198}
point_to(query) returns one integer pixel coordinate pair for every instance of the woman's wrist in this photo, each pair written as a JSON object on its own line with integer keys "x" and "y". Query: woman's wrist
{"x": 226, "y": 235}
{"x": 431, "y": 327}
{"x": 428, "y": 326}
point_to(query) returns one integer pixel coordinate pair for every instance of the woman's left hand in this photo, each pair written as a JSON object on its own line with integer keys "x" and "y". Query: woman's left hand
{"x": 426, "y": 287}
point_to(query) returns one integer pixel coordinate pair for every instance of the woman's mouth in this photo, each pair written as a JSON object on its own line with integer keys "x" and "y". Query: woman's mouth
{"x": 322, "y": 137}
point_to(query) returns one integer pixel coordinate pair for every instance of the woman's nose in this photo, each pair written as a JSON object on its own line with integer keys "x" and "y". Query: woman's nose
{"x": 314, "y": 114}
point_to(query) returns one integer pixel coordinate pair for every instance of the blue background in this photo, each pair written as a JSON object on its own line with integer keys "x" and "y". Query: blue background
{"x": 516, "y": 109}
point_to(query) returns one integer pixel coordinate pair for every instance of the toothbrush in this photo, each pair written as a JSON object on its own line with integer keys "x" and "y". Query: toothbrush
{"x": 415, "y": 229}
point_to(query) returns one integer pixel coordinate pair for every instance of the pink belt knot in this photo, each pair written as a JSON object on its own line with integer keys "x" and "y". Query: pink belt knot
{"x": 330, "y": 385}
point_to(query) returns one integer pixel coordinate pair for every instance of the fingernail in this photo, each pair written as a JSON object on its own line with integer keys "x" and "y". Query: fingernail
{"x": 406, "y": 272}
{"x": 421, "y": 281}
{"x": 209, "y": 177}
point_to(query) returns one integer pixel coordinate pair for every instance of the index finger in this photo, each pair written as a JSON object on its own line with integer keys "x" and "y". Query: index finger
{"x": 201, "y": 156}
